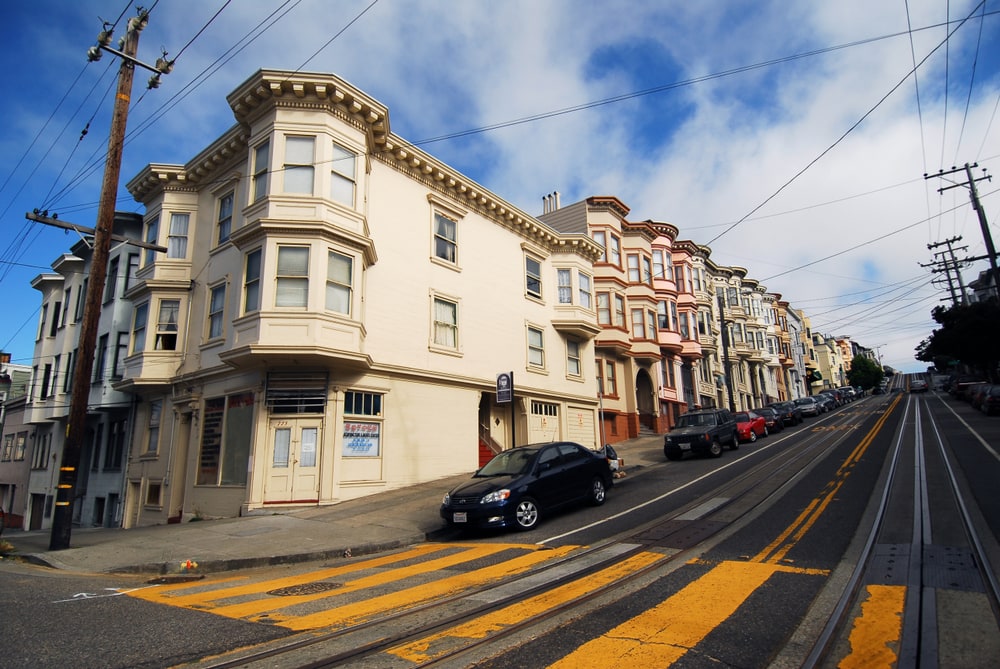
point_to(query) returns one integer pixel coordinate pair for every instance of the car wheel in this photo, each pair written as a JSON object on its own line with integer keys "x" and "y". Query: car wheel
{"x": 735, "y": 442}
{"x": 526, "y": 514}
{"x": 715, "y": 448}
{"x": 598, "y": 492}
{"x": 765, "y": 432}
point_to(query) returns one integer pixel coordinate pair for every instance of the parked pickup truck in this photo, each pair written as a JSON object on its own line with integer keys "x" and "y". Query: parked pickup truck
{"x": 703, "y": 431}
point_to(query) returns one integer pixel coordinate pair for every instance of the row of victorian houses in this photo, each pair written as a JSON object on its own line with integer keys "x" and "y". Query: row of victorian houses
{"x": 333, "y": 311}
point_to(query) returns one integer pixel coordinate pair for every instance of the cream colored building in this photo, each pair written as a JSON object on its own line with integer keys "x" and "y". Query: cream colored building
{"x": 334, "y": 311}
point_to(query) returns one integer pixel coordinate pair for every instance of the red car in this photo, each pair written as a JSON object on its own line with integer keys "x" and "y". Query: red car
{"x": 750, "y": 425}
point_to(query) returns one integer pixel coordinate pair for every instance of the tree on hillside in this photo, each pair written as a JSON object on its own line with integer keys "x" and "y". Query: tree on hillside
{"x": 864, "y": 372}
{"x": 969, "y": 334}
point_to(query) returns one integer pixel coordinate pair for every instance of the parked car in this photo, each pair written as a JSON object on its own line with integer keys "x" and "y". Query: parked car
{"x": 974, "y": 394}
{"x": 703, "y": 431}
{"x": 790, "y": 414}
{"x": 918, "y": 386}
{"x": 838, "y": 397}
{"x": 750, "y": 425}
{"x": 848, "y": 392}
{"x": 808, "y": 406}
{"x": 772, "y": 419}
{"x": 991, "y": 401}
{"x": 519, "y": 485}
{"x": 825, "y": 402}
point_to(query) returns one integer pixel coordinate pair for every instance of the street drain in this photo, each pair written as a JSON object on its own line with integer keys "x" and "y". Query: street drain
{"x": 304, "y": 589}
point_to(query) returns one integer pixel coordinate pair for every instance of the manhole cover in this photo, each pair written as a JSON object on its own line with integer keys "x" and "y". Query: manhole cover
{"x": 304, "y": 589}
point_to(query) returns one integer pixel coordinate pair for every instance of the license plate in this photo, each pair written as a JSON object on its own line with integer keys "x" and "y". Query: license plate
{"x": 459, "y": 517}
{"x": 685, "y": 447}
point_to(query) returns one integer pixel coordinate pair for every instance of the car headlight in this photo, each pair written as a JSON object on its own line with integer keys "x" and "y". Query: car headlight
{"x": 495, "y": 496}
{"x": 447, "y": 499}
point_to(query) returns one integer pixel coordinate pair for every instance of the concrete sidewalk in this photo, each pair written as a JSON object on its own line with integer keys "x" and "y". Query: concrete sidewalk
{"x": 371, "y": 524}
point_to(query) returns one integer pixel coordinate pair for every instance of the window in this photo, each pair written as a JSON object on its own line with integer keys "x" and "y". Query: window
{"x": 101, "y": 361}
{"x": 251, "y": 283}
{"x": 615, "y": 251}
{"x": 41, "y": 321}
{"x": 152, "y": 236}
{"x": 225, "y": 440}
{"x": 573, "y": 358}
{"x": 46, "y": 382}
{"x": 54, "y": 324}
{"x": 166, "y": 325}
{"x": 533, "y": 276}
{"x": 536, "y": 348}
{"x": 564, "y": 279}
{"x": 445, "y": 323}
{"x": 619, "y": 311}
{"x": 599, "y": 237}
{"x": 445, "y": 239}
{"x": 8, "y": 447}
{"x": 650, "y": 325}
{"x": 362, "y": 438}
{"x": 70, "y": 369}
{"x": 659, "y": 264}
{"x": 604, "y": 308}
{"x": 177, "y": 235}
{"x": 154, "y": 493}
{"x": 56, "y": 364}
{"x": 633, "y": 268}
{"x": 638, "y": 324}
{"x": 133, "y": 267}
{"x": 292, "y": 277}
{"x": 111, "y": 284}
{"x": 610, "y": 380}
{"x": 685, "y": 330}
{"x": 299, "y": 164}
{"x": 583, "y": 281}
{"x": 65, "y": 313}
{"x": 216, "y": 309}
{"x": 339, "y": 281}
{"x": 97, "y": 439}
{"x": 647, "y": 271}
{"x": 544, "y": 409}
{"x": 153, "y": 428}
{"x": 224, "y": 224}
{"x": 139, "y": 328}
{"x": 343, "y": 175}
{"x": 674, "y": 320}
{"x": 662, "y": 319}
{"x": 39, "y": 455}
{"x": 261, "y": 156}
{"x": 115, "y": 452}
{"x": 121, "y": 350}
{"x": 81, "y": 300}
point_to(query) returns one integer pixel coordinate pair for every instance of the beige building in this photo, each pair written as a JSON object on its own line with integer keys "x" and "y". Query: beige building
{"x": 334, "y": 310}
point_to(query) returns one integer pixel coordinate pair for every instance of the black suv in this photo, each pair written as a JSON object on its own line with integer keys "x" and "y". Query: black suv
{"x": 702, "y": 431}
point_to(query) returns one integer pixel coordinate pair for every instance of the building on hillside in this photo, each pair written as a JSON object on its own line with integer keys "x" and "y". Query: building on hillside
{"x": 15, "y": 467}
{"x": 794, "y": 352}
{"x": 100, "y": 478}
{"x": 334, "y": 313}
{"x": 647, "y": 349}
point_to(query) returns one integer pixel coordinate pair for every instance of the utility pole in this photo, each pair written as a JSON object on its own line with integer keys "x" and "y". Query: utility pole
{"x": 62, "y": 520}
{"x": 947, "y": 265}
{"x": 991, "y": 252}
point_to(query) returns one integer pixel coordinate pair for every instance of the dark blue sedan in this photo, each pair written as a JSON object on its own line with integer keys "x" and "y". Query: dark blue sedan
{"x": 518, "y": 485}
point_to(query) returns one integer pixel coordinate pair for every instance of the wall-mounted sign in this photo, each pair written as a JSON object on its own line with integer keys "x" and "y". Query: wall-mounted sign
{"x": 505, "y": 387}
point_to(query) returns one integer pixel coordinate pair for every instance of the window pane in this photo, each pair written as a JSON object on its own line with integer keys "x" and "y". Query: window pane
{"x": 177, "y": 237}
{"x": 251, "y": 286}
{"x": 445, "y": 323}
{"x": 293, "y": 261}
{"x": 282, "y": 440}
{"x": 292, "y": 293}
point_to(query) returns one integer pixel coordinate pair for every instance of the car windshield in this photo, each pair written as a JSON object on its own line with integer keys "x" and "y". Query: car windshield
{"x": 696, "y": 420}
{"x": 508, "y": 463}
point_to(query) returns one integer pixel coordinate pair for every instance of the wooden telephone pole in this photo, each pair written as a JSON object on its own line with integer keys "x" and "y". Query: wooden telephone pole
{"x": 62, "y": 520}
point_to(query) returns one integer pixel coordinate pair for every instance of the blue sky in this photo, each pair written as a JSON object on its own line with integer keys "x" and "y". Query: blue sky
{"x": 798, "y": 121}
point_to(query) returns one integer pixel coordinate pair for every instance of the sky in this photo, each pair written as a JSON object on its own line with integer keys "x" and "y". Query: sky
{"x": 792, "y": 138}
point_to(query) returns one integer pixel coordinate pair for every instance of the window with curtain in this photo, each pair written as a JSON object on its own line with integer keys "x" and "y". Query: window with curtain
{"x": 600, "y": 238}
{"x": 166, "y": 325}
{"x": 153, "y": 427}
{"x": 445, "y": 323}
{"x": 445, "y": 238}
{"x": 343, "y": 175}
{"x": 583, "y": 287}
{"x": 339, "y": 279}
{"x": 573, "y": 366}
{"x": 251, "y": 282}
{"x": 292, "y": 288}
{"x": 638, "y": 324}
{"x": 619, "y": 311}
{"x": 564, "y": 279}
{"x": 298, "y": 168}
{"x": 152, "y": 233}
{"x": 177, "y": 236}
{"x": 604, "y": 308}
{"x": 632, "y": 260}
{"x": 533, "y": 276}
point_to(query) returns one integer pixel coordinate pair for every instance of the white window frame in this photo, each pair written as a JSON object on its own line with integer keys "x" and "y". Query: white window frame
{"x": 444, "y": 323}
{"x": 261, "y": 168}
{"x": 177, "y": 235}
{"x": 339, "y": 288}
{"x": 216, "y": 311}
{"x": 574, "y": 364}
{"x": 343, "y": 175}
{"x": 167, "y": 327}
{"x": 291, "y": 277}
{"x": 252, "y": 281}
{"x": 224, "y": 218}
{"x": 445, "y": 244}
{"x": 532, "y": 279}
{"x": 299, "y": 173}
{"x": 535, "y": 338}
